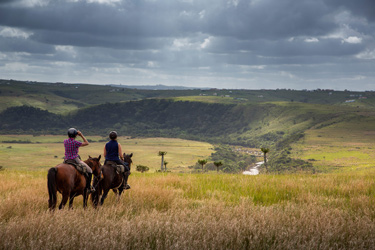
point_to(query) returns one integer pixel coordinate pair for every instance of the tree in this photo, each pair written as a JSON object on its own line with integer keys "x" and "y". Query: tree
{"x": 218, "y": 164}
{"x": 165, "y": 166}
{"x": 202, "y": 162}
{"x": 265, "y": 151}
{"x": 162, "y": 153}
{"x": 142, "y": 168}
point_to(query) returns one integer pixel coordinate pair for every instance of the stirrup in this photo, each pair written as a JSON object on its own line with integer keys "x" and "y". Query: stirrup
{"x": 90, "y": 190}
{"x": 127, "y": 186}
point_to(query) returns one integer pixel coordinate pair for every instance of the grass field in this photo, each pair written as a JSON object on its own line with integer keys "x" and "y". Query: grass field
{"x": 342, "y": 146}
{"x": 43, "y": 152}
{"x": 191, "y": 211}
{"x": 186, "y": 210}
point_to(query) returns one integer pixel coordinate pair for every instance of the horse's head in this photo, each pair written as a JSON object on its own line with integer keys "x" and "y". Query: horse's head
{"x": 94, "y": 164}
{"x": 128, "y": 159}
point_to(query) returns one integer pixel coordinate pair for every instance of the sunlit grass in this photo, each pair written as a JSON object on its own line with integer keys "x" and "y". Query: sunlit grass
{"x": 210, "y": 99}
{"x": 344, "y": 146}
{"x": 54, "y": 104}
{"x": 190, "y": 211}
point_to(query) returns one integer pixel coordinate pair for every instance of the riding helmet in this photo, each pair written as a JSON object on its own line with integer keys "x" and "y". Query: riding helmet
{"x": 113, "y": 135}
{"x": 72, "y": 132}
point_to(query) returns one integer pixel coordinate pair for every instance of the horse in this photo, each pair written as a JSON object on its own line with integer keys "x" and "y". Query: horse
{"x": 109, "y": 179}
{"x": 66, "y": 179}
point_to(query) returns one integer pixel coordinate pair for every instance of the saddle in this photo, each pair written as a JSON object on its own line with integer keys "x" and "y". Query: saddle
{"x": 118, "y": 168}
{"x": 80, "y": 167}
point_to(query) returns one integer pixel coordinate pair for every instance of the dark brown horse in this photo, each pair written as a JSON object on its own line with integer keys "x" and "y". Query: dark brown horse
{"x": 66, "y": 179}
{"x": 109, "y": 179}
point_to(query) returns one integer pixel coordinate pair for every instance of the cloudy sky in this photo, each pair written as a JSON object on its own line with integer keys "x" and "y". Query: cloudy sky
{"x": 252, "y": 44}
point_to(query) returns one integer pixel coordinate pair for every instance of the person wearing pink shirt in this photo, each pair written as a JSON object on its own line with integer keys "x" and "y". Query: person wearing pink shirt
{"x": 71, "y": 153}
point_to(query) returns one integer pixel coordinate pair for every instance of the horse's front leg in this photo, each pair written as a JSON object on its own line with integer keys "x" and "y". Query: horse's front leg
{"x": 120, "y": 190}
{"x": 96, "y": 195}
{"x": 95, "y": 198}
{"x": 85, "y": 198}
{"x": 104, "y": 196}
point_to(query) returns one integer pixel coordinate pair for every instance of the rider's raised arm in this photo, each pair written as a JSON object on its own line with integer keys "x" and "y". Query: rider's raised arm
{"x": 85, "y": 142}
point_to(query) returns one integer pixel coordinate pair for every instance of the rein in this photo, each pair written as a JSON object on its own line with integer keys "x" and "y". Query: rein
{"x": 95, "y": 177}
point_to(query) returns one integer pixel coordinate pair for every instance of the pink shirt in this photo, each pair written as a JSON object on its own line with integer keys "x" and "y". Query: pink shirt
{"x": 71, "y": 148}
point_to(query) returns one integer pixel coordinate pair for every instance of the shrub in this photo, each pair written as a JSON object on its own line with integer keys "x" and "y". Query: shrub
{"x": 142, "y": 168}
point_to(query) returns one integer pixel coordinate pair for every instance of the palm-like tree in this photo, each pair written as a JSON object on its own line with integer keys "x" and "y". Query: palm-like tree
{"x": 265, "y": 151}
{"x": 165, "y": 166}
{"x": 202, "y": 162}
{"x": 218, "y": 164}
{"x": 162, "y": 153}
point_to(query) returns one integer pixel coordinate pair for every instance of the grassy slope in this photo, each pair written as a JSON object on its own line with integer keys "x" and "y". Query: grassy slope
{"x": 342, "y": 144}
{"x": 61, "y": 98}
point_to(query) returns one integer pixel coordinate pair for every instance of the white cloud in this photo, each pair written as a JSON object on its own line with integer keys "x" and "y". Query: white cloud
{"x": 186, "y": 14}
{"x": 2, "y": 56}
{"x": 70, "y": 50}
{"x": 32, "y": 3}
{"x": 109, "y": 2}
{"x": 312, "y": 40}
{"x": 287, "y": 74}
{"x": 13, "y": 32}
{"x": 202, "y": 14}
{"x": 233, "y": 2}
{"x": 205, "y": 43}
{"x": 17, "y": 66}
{"x": 352, "y": 39}
{"x": 180, "y": 43}
{"x": 150, "y": 64}
{"x": 367, "y": 55}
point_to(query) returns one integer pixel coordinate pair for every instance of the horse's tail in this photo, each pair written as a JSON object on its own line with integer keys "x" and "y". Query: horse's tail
{"x": 52, "y": 190}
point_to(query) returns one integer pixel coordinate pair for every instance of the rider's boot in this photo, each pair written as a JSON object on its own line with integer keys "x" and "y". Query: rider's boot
{"x": 126, "y": 177}
{"x": 89, "y": 188}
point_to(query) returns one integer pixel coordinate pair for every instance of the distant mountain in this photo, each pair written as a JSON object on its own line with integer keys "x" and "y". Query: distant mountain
{"x": 154, "y": 87}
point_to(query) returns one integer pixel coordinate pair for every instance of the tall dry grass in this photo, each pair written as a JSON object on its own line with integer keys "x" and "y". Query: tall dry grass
{"x": 202, "y": 211}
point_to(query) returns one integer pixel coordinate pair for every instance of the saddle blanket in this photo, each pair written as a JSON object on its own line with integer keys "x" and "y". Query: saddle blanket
{"x": 119, "y": 168}
{"x": 80, "y": 167}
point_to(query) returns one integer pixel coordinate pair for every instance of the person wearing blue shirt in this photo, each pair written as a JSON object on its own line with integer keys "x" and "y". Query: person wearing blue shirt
{"x": 113, "y": 152}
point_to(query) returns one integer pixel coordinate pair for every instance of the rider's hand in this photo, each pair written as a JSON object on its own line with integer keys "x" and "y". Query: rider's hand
{"x": 79, "y": 133}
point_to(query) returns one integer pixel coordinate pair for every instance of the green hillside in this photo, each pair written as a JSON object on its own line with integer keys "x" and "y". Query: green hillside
{"x": 297, "y": 126}
{"x": 61, "y": 98}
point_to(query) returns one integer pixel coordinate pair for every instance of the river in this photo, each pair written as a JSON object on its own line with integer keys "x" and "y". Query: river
{"x": 254, "y": 170}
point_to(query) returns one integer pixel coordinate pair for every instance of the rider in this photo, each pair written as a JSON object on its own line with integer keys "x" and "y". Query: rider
{"x": 113, "y": 152}
{"x": 71, "y": 152}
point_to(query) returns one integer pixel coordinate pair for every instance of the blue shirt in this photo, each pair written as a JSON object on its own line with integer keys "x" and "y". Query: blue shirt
{"x": 112, "y": 151}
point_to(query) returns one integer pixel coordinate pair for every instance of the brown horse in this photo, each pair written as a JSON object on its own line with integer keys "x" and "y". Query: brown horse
{"x": 66, "y": 179}
{"x": 109, "y": 179}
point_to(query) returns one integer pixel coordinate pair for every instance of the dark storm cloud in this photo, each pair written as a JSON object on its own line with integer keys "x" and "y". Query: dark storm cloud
{"x": 271, "y": 19}
{"x": 285, "y": 41}
{"x": 265, "y": 19}
{"x": 22, "y": 45}
{"x": 286, "y": 48}
{"x": 364, "y": 8}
